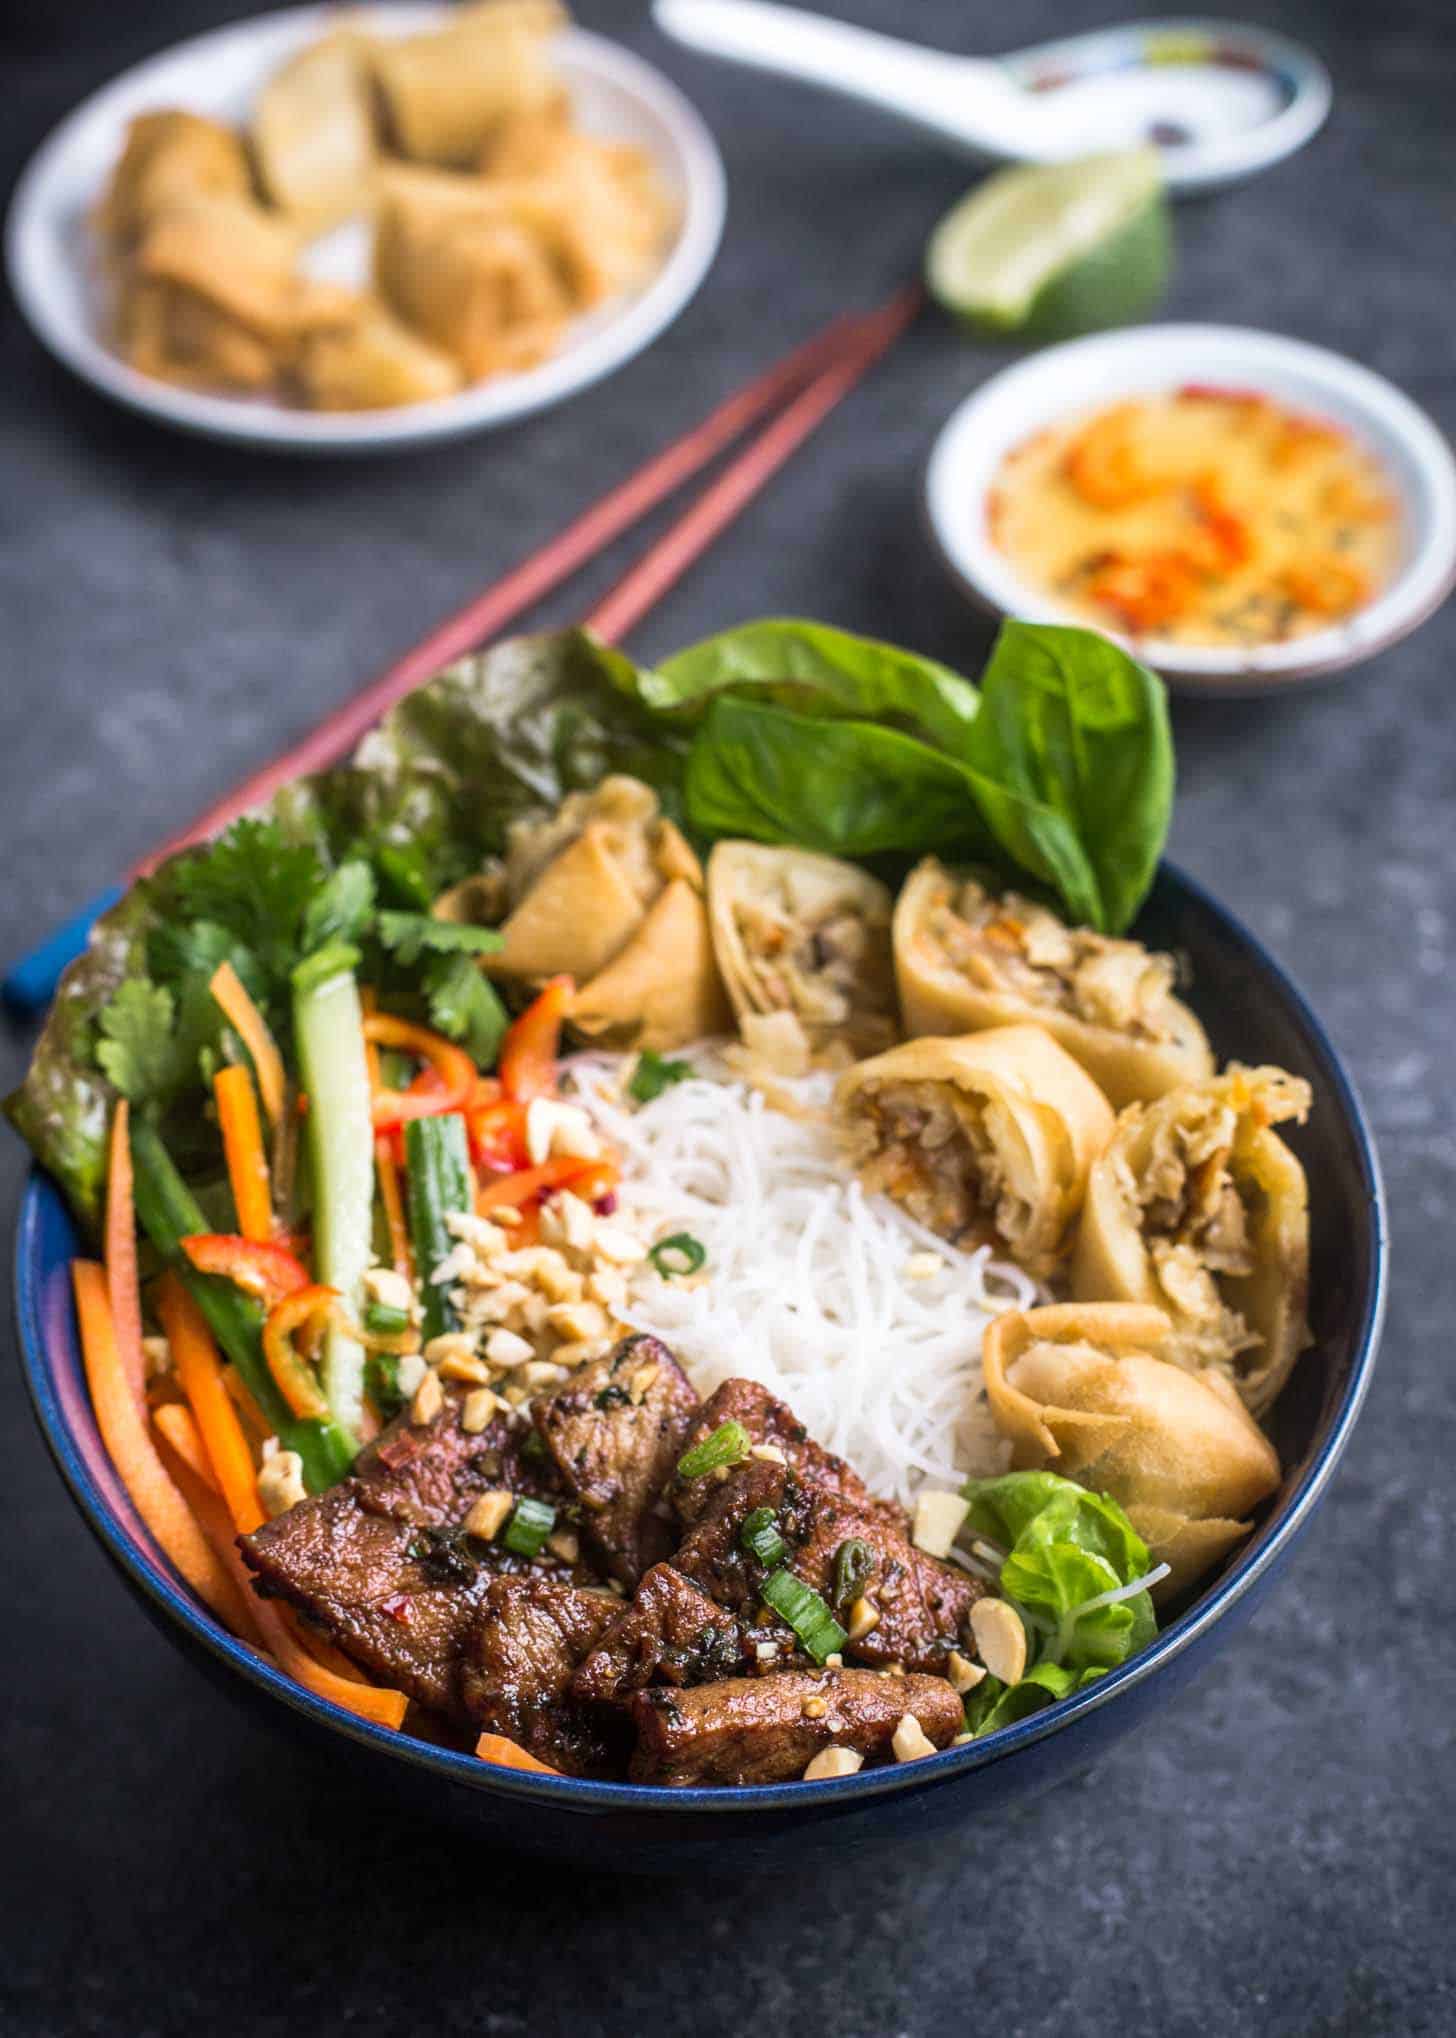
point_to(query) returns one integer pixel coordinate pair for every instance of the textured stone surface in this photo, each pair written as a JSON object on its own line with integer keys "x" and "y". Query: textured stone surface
{"x": 1272, "y": 1855}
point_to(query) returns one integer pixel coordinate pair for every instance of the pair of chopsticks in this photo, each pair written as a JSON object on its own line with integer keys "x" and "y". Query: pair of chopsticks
{"x": 796, "y": 395}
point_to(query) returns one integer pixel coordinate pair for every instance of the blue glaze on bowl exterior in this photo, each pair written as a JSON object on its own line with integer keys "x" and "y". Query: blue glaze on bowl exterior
{"x": 1253, "y": 1013}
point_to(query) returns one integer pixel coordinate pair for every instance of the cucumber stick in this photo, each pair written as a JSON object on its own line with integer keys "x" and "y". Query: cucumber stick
{"x": 328, "y": 1029}
{"x": 437, "y": 1158}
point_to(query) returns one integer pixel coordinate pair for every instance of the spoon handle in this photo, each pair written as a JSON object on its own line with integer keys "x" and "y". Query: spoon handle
{"x": 965, "y": 98}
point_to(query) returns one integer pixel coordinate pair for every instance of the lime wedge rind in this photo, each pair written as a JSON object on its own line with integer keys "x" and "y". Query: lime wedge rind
{"x": 1049, "y": 250}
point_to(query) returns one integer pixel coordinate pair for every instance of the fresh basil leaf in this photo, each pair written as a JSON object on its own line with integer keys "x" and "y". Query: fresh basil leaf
{"x": 1072, "y": 723}
{"x": 848, "y": 788}
{"x": 821, "y": 672}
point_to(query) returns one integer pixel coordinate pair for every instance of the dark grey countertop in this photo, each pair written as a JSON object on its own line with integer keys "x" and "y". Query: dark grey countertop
{"x": 1274, "y": 1854}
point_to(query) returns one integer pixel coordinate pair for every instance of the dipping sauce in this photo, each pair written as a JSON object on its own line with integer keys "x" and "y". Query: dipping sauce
{"x": 1200, "y": 516}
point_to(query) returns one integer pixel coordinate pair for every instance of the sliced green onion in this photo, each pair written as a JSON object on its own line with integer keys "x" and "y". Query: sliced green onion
{"x": 728, "y": 1445}
{"x": 680, "y": 1254}
{"x": 653, "y": 1075}
{"x": 800, "y": 1605}
{"x": 855, "y": 1563}
{"x": 530, "y": 1524}
{"x": 381, "y": 1379}
{"x": 760, "y": 1535}
{"x": 385, "y": 1319}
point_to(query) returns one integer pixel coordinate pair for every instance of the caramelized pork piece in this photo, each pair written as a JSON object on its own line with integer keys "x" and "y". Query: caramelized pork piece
{"x": 381, "y": 1563}
{"x": 399, "y": 1599}
{"x": 615, "y": 1431}
{"x": 671, "y": 1633}
{"x": 767, "y": 1729}
{"x": 432, "y": 1472}
{"x": 773, "y": 1424}
{"x": 904, "y": 1607}
{"x": 516, "y": 1675}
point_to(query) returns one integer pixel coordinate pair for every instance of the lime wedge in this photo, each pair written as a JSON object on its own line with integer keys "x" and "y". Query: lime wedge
{"x": 1052, "y": 249}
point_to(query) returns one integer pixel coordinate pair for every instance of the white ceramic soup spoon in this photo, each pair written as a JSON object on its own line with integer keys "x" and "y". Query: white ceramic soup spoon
{"x": 1219, "y": 100}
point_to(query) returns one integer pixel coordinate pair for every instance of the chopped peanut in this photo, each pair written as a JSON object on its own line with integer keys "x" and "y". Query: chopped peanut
{"x": 864, "y": 1618}
{"x": 910, "y": 1740}
{"x": 488, "y": 1516}
{"x": 504, "y": 1348}
{"x": 833, "y": 1762}
{"x": 280, "y": 1483}
{"x": 1000, "y": 1639}
{"x": 478, "y": 1409}
{"x": 429, "y": 1399}
{"x": 961, "y": 1674}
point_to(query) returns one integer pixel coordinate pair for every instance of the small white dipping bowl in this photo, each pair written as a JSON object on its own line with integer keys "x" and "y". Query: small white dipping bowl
{"x": 1085, "y": 374}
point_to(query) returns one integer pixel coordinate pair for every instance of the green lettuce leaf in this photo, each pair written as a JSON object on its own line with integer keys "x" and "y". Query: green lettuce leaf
{"x": 1068, "y": 1552}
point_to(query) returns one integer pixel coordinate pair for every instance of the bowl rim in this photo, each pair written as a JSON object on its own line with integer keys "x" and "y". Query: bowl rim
{"x": 626, "y": 330}
{"x": 1244, "y": 357}
{"x": 147, "y": 1572}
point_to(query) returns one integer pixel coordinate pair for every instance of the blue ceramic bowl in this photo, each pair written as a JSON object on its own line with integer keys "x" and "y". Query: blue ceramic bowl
{"x": 1253, "y": 1013}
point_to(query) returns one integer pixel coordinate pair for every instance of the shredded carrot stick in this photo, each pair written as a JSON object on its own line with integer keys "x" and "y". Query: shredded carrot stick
{"x": 392, "y": 1197}
{"x": 369, "y": 1701}
{"x": 242, "y": 1145}
{"x": 215, "y": 1522}
{"x": 250, "y": 1415}
{"x": 122, "y": 1289}
{"x": 252, "y": 1029}
{"x": 131, "y": 1450}
{"x": 175, "y": 1424}
{"x": 506, "y": 1755}
{"x": 200, "y": 1371}
{"x": 322, "y": 1649}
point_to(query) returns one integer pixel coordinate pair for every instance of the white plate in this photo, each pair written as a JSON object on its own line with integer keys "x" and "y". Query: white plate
{"x": 1061, "y": 381}
{"x": 51, "y": 268}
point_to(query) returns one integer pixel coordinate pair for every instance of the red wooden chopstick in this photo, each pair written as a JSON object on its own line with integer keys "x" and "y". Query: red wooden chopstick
{"x": 644, "y": 584}
{"x": 830, "y": 352}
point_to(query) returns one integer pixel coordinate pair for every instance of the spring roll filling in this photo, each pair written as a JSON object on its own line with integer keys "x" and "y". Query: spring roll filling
{"x": 1011, "y": 944}
{"x": 1197, "y": 1221}
{"x": 956, "y": 1162}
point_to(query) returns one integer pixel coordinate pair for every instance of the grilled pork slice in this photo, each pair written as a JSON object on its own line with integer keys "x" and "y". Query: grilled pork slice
{"x": 671, "y": 1633}
{"x": 903, "y": 1607}
{"x": 516, "y": 1674}
{"x": 432, "y": 1472}
{"x": 772, "y": 1423}
{"x": 380, "y": 1562}
{"x": 766, "y": 1729}
{"x": 615, "y": 1431}
{"x": 400, "y": 1599}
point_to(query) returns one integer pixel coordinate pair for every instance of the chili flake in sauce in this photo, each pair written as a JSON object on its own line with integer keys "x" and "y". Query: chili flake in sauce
{"x": 1199, "y": 515}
